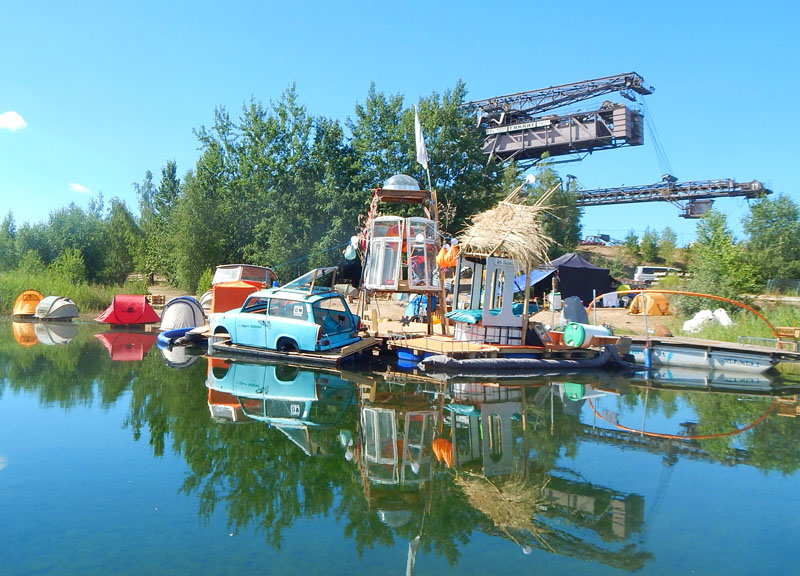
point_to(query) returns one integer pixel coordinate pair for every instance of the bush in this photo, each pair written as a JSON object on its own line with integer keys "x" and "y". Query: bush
{"x": 204, "y": 282}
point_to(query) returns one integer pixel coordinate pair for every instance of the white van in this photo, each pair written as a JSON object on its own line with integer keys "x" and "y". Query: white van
{"x": 648, "y": 274}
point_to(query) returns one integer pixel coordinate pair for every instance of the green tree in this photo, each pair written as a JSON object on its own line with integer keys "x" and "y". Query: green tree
{"x": 667, "y": 243}
{"x": 69, "y": 265}
{"x": 8, "y": 248}
{"x": 773, "y": 229}
{"x": 649, "y": 245}
{"x": 562, "y": 222}
{"x": 630, "y": 246}
{"x": 124, "y": 242}
{"x": 718, "y": 264}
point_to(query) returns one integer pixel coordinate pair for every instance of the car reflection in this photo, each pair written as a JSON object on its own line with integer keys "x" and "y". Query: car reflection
{"x": 297, "y": 401}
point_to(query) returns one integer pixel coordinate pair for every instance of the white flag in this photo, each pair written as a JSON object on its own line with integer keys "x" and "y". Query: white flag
{"x": 422, "y": 154}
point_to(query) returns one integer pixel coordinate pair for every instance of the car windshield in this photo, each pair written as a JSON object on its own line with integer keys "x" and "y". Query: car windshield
{"x": 317, "y": 277}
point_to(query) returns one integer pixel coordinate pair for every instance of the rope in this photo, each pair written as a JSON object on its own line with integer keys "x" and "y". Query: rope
{"x": 310, "y": 255}
{"x": 691, "y": 437}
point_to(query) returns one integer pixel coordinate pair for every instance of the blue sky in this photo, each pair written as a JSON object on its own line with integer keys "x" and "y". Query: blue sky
{"x": 93, "y": 94}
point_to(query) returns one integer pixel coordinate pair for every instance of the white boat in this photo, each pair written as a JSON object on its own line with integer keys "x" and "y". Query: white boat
{"x": 707, "y": 354}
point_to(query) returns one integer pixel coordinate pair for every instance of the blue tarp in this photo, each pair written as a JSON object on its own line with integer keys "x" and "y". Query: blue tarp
{"x": 536, "y": 276}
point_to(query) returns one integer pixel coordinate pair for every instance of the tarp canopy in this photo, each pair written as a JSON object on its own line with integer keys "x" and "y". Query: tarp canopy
{"x": 129, "y": 309}
{"x": 230, "y": 295}
{"x": 126, "y": 346}
{"x": 655, "y": 305}
{"x": 579, "y": 277}
{"x": 25, "y": 304}
{"x": 182, "y": 312}
{"x": 534, "y": 277}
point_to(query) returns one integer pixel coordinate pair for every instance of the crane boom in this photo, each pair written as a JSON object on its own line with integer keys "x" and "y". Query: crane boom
{"x": 693, "y": 197}
{"x": 523, "y": 106}
{"x": 516, "y": 128}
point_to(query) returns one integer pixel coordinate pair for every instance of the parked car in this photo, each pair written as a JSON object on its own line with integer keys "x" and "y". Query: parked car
{"x": 648, "y": 274}
{"x": 300, "y": 316}
{"x": 597, "y": 240}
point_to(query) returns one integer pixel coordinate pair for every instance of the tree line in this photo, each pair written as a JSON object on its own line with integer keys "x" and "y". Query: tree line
{"x": 281, "y": 187}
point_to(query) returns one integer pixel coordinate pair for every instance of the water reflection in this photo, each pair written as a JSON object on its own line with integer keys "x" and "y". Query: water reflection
{"x": 29, "y": 334}
{"x": 296, "y": 401}
{"x": 573, "y": 466}
{"x": 126, "y": 346}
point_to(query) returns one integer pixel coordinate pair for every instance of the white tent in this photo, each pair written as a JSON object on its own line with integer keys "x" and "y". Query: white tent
{"x": 56, "y": 308}
{"x": 182, "y": 312}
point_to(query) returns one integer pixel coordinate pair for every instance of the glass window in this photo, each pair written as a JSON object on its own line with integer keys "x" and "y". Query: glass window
{"x": 333, "y": 315}
{"x": 256, "y": 305}
{"x": 287, "y": 309}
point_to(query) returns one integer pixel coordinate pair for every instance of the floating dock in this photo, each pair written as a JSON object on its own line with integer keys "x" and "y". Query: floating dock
{"x": 709, "y": 354}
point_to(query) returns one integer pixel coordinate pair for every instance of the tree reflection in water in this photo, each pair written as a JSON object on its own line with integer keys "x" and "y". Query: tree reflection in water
{"x": 280, "y": 456}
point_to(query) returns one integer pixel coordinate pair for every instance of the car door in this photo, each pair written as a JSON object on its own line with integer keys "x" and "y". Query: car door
{"x": 251, "y": 323}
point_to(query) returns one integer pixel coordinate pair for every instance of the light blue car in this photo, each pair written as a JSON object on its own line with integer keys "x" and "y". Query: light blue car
{"x": 298, "y": 317}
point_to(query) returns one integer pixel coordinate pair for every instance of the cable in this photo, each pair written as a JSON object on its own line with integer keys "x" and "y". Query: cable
{"x": 663, "y": 161}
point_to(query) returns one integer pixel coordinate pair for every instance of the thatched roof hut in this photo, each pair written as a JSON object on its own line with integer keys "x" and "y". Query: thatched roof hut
{"x": 510, "y": 230}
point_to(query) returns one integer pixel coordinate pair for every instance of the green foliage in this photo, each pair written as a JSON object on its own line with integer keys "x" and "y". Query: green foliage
{"x": 31, "y": 263}
{"x": 562, "y": 223}
{"x": 649, "y": 245}
{"x": 616, "y": 267}
{"x": 204, "y": 282}
{"x": 630, "y": 246}
{"x": 719, "y": 265}
{"x": 8, "y": 248}
{"x": 89, "y": 297}
{"x": 69, "y": 266}
{"x": 125, "y": 241}
{"x": 667, "y": 244}
{"x": 773, "y": 228}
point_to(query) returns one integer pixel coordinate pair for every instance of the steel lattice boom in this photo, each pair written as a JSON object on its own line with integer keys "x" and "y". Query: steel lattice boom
{"x": 694, "y": 197}
{"x": 516, "y": 128}
{"x": 524, "y": 106}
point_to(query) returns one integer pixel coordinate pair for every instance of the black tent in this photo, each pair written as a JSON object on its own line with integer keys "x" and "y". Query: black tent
{"x": 579, "y": 277}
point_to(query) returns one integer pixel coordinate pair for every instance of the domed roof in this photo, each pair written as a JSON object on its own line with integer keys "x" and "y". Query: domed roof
{"x": 401, "y": 182}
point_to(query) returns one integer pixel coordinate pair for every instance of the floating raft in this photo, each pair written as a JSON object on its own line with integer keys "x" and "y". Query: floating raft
{"x": 330, "y": 358}
{"x": 709, "y": 354}
{"x": 521, "y": 367}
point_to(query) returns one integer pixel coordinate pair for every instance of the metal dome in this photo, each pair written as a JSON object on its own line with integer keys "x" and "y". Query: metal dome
{"x": 401, "y": 182}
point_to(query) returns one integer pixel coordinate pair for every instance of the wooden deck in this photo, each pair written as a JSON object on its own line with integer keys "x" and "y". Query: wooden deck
{"x": 331, "y": 358}
{"x": 776, "y": 354}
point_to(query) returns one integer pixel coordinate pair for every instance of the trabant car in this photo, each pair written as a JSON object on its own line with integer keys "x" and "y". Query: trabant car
{"x": 301, "y": 316}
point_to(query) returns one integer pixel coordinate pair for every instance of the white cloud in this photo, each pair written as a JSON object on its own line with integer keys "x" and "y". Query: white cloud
{"x": 73, "y": 187}
{"x": 12, "y": 121}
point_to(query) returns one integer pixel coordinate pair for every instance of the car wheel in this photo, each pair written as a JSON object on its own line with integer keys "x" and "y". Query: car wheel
{"x": 286, "y": 345}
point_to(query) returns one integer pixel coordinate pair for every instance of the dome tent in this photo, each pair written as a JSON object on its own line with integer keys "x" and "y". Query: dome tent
{"x": 129, "y": 309}
{"x": 655, "y": 304}
{"x": 182, "y": 312}
{"x": 56, "y": 308}
{"x": 25, "y": 304}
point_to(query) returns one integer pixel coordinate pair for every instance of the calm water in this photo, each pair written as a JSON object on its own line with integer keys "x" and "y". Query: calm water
{"x": 118, "y": 458}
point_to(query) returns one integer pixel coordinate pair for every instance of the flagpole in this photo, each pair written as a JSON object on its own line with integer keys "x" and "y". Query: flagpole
{"x": 422, "y": 153}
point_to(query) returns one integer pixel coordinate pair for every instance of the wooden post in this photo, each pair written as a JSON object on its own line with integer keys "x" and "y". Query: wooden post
{"x": 525, "y": 304}
{"x": 443, "y": 298}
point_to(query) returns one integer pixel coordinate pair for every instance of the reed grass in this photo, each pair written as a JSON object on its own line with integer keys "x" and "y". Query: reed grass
{"x": 88, "y": 297}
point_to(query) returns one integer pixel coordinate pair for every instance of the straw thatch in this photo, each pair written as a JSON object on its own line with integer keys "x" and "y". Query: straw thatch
{"x": 510, "y": 505}
{"x": 510, "y": 230}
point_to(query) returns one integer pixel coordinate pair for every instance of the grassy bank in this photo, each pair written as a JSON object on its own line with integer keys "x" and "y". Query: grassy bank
{"x": 745, "y": 323}
{"x": 88, "y": 297}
